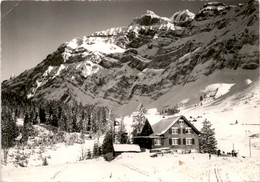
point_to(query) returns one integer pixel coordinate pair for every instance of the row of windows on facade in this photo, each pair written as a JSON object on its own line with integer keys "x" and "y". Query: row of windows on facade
{"x": 176, "y": 130}
{"x": 175, "y": 141}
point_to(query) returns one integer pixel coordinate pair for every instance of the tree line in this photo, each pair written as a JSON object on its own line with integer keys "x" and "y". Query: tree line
{"x": 69, "y": 117}
{"x": 170, "y": 111}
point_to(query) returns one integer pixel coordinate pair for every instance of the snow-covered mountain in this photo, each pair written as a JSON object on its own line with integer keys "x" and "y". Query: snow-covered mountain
{"x": 149, "y": 60}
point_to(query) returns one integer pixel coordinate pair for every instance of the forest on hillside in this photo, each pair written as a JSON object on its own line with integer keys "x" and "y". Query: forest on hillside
{"x": 67, "y": 117}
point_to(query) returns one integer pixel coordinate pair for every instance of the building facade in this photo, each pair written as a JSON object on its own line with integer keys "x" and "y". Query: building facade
{"x": 176, "y": 133}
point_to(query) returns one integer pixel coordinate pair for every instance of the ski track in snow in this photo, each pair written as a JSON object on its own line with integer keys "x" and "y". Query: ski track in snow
{"x": 57, "y": 173}
{"x": 136, "y": 169}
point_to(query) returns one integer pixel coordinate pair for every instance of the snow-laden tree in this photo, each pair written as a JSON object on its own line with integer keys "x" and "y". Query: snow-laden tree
{"x": 139, "y": 120}
{"x": 107, "y": 146}
{"x": 122, "y": 134}
{"x": 208, "y": 142}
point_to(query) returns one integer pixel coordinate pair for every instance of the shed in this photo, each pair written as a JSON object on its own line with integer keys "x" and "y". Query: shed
{"x": 123, "y": 148}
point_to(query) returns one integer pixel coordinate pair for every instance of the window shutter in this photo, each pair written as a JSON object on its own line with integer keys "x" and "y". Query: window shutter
{"x": 193, "y": 141}
{"x": 170, "y": 141}
{"x": 184, "y": 141}
{"x": 170, "y": 130}
{"x": 183, "y": 131}
{"x": 179, "y": 141}
{"x": 162, "y": 141}
{"x": 191, "y": 131}
{"x": 179, "y": 131}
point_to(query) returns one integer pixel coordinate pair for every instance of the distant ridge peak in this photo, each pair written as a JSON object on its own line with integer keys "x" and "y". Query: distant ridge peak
{"x": 182, "y": 16}
{"x": 150, "y": 13}
{"x": 150, "y": 18}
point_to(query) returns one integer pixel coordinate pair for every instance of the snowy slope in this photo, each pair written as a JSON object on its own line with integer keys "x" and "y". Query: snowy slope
{"x": 241, "y": 107}
{"x": 235, "y": 97}
{"x": 141, "y": 167}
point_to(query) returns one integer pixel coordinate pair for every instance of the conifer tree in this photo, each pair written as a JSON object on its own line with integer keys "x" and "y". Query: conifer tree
{"x": 55, "y": 120}
{"x": 108, "y": 141}
{"x": 122, "y": 134}
{"x": 9, "y": 129}
{"x": 26, "y": 128}
{"x": 96, "y": 150}
{"x": 50, "y": 114}
{"x": 33, "y": 115}
{"x": 107, "y": 145}
{"x": 74, "y": 124}
{"x": 208, "y": 141}
{"x": 42, "y": 115}
{"x": 61, "y": 123}
{"x": 82, "y": 120}
{"x": 89, "y": 122}
{"x": 103, "y": 119}
{"x": 139, "y": 120}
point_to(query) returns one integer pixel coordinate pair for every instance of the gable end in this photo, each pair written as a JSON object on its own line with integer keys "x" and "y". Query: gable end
{"x": 147, "y": 129}
{"x": 190, "y": 125}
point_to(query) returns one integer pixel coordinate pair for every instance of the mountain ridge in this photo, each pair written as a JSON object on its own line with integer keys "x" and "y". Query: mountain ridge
{"x": 144, "y": 60}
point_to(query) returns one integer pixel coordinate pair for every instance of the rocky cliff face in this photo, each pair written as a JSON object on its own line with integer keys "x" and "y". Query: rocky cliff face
{"x": 146, "y": 58}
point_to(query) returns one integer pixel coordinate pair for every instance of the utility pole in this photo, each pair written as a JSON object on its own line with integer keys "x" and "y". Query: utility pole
{"x": 250, "y": 146}
{"x": 247, "y": 132}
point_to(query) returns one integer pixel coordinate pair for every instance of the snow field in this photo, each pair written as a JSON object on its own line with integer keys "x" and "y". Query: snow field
{"x": 95, "y": 44}
{"x": 141, "y": 167}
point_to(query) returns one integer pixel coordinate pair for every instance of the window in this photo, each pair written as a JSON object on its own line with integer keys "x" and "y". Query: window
{"x": 190, "y": 141}
{"x": 181, "y": 121}
{"x": 175, "y": 141}
{"x": 175, "y": 130}
{"x": 188, "y": 130}
{"x": 157, "y": 141}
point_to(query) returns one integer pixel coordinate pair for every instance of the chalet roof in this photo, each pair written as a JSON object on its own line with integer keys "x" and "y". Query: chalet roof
{"x": 163, "y": 125}
{"x": 126, "y": 148}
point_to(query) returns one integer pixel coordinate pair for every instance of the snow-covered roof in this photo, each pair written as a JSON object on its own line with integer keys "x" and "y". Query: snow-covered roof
{"x": 163, "y": 125}
{"x": 126, "y": 148}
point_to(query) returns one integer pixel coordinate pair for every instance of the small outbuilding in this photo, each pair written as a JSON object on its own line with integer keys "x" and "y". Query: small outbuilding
{"x": 125, "y": 148}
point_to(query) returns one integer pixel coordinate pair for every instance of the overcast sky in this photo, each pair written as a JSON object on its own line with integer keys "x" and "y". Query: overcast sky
{"x": 32, "y": 30}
